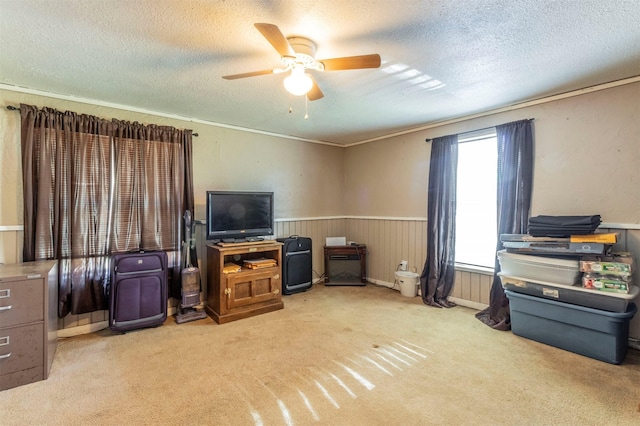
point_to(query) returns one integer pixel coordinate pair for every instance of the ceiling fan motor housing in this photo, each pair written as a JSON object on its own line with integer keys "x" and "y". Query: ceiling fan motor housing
{"x": 305, "y": 53}
{"x": 297, "y": 54}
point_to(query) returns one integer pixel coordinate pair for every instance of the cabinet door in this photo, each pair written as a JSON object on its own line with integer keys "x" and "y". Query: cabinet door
{"x": 248, "y": 288}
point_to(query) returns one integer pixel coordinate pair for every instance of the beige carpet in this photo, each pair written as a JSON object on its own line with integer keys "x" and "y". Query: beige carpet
{"x": 333, "y": 356}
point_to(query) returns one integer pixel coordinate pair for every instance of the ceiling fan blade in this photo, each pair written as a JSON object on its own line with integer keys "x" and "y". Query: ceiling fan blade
{"x": 247, "y": 74}
{"x": 315, "y": 93}
{"x": 351, "y": 62}
{"x": 274, "y": 36}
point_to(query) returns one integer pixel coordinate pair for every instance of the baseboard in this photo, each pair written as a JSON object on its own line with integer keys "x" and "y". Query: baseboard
{"x": 369, "y": 280}
{"x": 460, "y": 302}
{"x": 83, "y": 329}
{"x": 97, "y": 326}
{"x": 173, "y": 310}
{"x": 383, "y": 284}
{"x": 468, "y": 303}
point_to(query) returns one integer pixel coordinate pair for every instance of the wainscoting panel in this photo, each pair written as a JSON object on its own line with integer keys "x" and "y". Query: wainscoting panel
{"x": 83, "y": 321}
{"x": 11, "y": 244}
{"x": 472, "y": 286}
{"x": 316, "y": 229}
{"x": 389, "y": 241}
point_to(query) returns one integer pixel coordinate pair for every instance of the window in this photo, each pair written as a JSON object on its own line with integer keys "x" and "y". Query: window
{"x": 476, "y": 222}
{"x": 95, "y": 187}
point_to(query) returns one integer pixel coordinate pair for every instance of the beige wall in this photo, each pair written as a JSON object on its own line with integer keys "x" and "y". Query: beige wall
{"x": 587, "y": 148}
{"x": 387, "y": 178}
{"x": 10, "y": 170}
{"x": 305, "y": 177}
{"x": 587, "y": 158}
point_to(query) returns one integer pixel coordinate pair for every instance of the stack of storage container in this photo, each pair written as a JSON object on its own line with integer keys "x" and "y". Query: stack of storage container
{"x": 570, "y": 292}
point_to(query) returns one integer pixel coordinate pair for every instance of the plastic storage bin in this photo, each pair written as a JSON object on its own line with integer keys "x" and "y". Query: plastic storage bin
{"x": 613, "y": 302}
{"x": 586, "y": 331}
{"x": 540, "y": 268}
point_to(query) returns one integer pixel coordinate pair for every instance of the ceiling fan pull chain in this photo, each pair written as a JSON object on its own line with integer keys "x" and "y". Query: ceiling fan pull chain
{"x": 306, "y": 108}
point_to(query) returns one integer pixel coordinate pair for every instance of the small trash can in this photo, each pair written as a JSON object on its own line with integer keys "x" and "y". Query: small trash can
{"x": 408, "y": 282}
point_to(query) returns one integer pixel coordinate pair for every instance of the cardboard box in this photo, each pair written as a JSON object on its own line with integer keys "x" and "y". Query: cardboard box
{"x": 606, "y": 268}
{"x": 617, "y": 284}
{"x": 605, "y": 238}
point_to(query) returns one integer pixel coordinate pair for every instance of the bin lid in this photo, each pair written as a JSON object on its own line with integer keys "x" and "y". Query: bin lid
{"x": 539, "y": 260}
{"x": 510, "y": 279}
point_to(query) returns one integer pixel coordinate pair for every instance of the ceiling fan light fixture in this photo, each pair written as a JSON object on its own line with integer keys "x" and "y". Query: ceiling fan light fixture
{"x": 298, "y": 83}
{"x": 297, "y": 55}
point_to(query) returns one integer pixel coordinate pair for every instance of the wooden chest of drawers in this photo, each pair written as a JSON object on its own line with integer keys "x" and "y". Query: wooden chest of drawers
{"x": 28, "y": 321}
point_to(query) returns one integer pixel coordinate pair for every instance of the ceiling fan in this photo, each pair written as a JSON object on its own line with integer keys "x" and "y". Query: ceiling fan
{"x": 298, "y": 56}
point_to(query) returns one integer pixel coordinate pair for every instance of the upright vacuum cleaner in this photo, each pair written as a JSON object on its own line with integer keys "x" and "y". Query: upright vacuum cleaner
{"x": 190, "y": 280}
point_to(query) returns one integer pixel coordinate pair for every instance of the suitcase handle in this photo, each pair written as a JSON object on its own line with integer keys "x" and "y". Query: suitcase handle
{"x": 146, "y": 271}
{"x": 187, "y": 230}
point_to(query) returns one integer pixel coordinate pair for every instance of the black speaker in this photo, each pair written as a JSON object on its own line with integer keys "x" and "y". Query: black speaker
{"x": 297, "y": 268}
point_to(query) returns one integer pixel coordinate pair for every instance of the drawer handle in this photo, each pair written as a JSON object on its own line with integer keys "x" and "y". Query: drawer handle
{"x": 5, "y": 308}
{"x": 5, "y": 356}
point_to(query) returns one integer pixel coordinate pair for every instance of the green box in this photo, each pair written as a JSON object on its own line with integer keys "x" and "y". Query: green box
{"x": 606, "y": 268}
{"x": 606, "y": 283}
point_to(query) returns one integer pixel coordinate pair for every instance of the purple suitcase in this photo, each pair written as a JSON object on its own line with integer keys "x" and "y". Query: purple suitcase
{"x": 138, "y": 290}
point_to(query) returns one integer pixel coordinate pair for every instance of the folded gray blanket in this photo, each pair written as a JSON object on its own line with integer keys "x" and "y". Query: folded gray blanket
{"x": 563, "y": 226}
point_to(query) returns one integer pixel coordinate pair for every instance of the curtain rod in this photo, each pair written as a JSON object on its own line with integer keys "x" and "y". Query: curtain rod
{"x": 487, "y": 128}
{"x": 12, "y": 108}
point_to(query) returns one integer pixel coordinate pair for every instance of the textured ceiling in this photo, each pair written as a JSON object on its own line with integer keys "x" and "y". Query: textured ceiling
{"x": 440, "y": 59}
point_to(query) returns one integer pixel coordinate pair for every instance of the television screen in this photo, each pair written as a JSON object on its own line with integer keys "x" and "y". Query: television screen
{"x": 233, "y": 215}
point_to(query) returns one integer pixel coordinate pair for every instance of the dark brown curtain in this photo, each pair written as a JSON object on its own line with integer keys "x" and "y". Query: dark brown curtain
{"x": 93, "y": 187}
{"x": 153, "y": 188}
{"x": 515, "y": 176}
{"x": 437, "y": 278}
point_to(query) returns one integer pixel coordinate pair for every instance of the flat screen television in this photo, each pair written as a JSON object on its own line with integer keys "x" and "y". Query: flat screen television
{"x": 237, "y": 215}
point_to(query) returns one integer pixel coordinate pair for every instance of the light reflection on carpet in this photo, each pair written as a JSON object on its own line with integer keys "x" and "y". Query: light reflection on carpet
{"x": 352, "y": 375}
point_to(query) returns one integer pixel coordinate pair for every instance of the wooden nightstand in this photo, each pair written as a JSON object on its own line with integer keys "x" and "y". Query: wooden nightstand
{"x": 345, "y": 265}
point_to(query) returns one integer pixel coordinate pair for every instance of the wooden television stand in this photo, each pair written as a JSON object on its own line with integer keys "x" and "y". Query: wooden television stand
{"x": 236, "y": 295}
